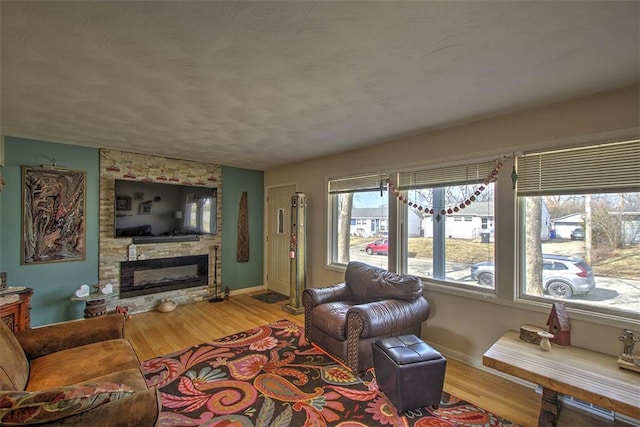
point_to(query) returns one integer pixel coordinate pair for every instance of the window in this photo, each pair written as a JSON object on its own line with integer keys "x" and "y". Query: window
{"x": 579, "y": 212}
{"x": 280, "y": 225}
{"x": 200, "y": 215}
{"x": 359, "y": 210}
{"x": 444, "y": 210}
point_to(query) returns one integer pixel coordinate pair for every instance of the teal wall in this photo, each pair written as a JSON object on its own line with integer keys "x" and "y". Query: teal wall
{"x": 53, "y": 283}
{"x": 237, "y": 275}
{"x": 1, "y": 177}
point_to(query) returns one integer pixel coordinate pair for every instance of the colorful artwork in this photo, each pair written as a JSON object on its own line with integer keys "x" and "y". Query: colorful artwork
{"x": 53, "y": 215}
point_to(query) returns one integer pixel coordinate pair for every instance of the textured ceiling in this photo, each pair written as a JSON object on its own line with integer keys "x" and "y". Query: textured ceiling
{"x": 260, "y": 84}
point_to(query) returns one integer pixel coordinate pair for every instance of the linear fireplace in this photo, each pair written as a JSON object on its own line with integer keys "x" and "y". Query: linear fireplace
{"x": 163, "y": 274}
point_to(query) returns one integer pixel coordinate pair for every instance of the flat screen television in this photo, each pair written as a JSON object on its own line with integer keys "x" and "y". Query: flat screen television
{"x": 151, "y": 211}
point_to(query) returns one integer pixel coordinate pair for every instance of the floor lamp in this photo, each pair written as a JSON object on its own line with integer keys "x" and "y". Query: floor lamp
{"x": 216, "y": 298}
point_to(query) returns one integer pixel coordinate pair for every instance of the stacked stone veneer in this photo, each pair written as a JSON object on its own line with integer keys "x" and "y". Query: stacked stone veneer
{"x": 140, "y": 167}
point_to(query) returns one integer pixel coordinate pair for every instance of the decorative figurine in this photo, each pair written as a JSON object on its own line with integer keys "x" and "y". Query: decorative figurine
{"x": 559, "y": 325}
{"x": 166, "y": 306}
{"x": 629, "y": 340}
{"x": 124, "y": 310}
{"x": 83, "y": 291}
{"x": 545, "y": 345}
{"x": 627, "y": 360}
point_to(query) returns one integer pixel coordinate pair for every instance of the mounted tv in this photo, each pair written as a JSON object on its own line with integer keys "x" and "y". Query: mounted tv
{"x": 151, "y": 212}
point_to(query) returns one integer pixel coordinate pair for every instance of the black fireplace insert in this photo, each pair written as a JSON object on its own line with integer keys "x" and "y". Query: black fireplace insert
{"x": 163, "y": 274}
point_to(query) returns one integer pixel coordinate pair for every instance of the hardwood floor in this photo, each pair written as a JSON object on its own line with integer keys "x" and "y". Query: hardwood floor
{"x": 153, "y": 334}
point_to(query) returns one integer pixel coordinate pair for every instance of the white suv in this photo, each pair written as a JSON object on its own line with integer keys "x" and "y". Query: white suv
{"x": 562, "y": 276}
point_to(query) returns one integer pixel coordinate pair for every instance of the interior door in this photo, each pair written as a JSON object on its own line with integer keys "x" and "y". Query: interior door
{"x": 278, "y": 233}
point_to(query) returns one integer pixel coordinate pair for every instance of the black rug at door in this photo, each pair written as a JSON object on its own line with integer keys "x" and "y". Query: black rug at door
{"x": 271, "y": 297}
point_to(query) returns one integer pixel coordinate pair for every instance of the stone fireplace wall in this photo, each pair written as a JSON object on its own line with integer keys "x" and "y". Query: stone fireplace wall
{"x": 139, "y": 167}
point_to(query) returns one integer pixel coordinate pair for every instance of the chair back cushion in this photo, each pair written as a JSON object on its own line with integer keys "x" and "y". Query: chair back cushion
{"x": 368, "y": 283}
{"x": 14, "y": 366}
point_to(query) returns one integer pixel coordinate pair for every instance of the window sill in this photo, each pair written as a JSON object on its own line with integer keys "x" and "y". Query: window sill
{"x": 538, "y": 305}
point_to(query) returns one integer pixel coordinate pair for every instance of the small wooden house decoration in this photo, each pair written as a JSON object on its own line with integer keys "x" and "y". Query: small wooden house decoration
{"x": 559, "y": 325}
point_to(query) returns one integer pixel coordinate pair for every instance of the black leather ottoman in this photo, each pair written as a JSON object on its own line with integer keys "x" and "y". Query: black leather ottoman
{"x": 409, "y": 372}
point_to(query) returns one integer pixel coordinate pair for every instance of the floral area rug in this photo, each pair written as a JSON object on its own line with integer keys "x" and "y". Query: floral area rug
{"x": 270, "y": 376}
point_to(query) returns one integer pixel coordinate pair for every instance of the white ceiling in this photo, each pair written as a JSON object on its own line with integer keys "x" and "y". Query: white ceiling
{"x": 260, "y": 84}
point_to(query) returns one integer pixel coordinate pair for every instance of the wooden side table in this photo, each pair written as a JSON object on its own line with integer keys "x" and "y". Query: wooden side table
{"x": 15, "y": 307}
{"x": 584, "y": 374}
{"x": 95, "y": 303}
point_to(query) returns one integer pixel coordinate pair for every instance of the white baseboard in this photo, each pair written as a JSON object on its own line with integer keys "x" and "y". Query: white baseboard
{"x": 247, "y": 290}
{"x": 465, "y": 358}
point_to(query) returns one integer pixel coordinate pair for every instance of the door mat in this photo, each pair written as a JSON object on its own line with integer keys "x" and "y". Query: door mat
{"x": 271, "y": 297}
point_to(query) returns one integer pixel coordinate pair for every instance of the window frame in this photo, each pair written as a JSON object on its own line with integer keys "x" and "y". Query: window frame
{"x": 613, "y": 162}
{"x": 196, "y": 208}
{"x": 470, "y": 172}
{"x": 356, "y": 183}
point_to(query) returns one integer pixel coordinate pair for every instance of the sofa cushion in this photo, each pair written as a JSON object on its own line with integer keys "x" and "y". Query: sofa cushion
{"x": 133, "y": 377}
{"x": 368, "y": 283}
{"x": 81, "y": 364}
{"x": 35, "y": 407}
{"x": 14, "y": 366}
{"x": 330, "y": 318}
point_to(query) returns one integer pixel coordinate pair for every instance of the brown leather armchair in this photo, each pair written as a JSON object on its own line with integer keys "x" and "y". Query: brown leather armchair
{"x": 372, "y": 303}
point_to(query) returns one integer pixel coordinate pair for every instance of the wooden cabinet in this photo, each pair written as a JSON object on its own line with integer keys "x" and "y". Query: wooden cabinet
{"x": 15, "y": 309}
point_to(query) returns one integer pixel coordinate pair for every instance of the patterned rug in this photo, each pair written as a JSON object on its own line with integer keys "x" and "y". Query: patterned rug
{"x": 271, "y": 297}
{"x": 270, "y": 376}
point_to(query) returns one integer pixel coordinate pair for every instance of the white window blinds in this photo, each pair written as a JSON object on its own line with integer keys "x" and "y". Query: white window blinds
{"x": 358, "y": 183}
{"x": 445, "y": 176}
{"x": 603, "y": 168}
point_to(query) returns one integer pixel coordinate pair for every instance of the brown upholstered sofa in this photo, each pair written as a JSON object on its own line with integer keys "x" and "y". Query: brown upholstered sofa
{"x": 76, "y": 373}
{"x": 372, "y": 303}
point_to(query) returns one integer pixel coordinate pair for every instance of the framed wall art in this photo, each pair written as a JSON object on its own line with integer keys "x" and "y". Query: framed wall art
{"x": 53, "y": 215}
{"x": 123, "y": 203}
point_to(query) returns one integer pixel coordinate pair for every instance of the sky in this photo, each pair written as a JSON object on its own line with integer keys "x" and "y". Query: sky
{"x": 370, "y": 199}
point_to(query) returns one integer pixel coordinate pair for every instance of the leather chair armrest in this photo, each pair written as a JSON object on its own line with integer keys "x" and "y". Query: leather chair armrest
{"x": 383, "y": 317}
{"x": 317, "y": 296}
{"x": 312, "y": 297}
{"x": 61, "y": 336}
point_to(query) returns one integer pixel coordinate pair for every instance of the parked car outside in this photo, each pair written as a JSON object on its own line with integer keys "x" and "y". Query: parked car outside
{"x": 562, "y": 276}
{"x": 577, "y": 233}
{"x": 378, "y": 247}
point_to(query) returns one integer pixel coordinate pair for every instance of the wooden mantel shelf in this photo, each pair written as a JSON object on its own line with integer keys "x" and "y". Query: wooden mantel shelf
{"x": 584, "y": 374}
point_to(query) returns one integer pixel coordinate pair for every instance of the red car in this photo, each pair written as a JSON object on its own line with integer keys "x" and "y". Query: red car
{"x": 378, "y": 247}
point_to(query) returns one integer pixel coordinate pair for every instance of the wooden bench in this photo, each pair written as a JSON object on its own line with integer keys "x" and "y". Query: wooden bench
{"x": 584, "y": 374}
